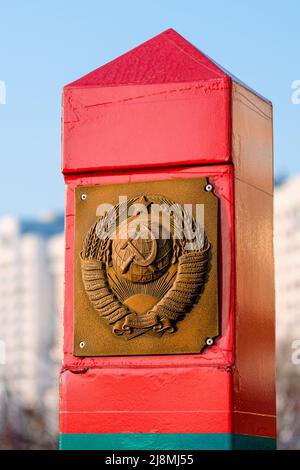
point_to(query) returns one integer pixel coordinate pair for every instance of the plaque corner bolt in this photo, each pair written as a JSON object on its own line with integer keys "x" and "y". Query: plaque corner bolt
{"x": 209, "y": 341}
{"x": 209, "y": 187}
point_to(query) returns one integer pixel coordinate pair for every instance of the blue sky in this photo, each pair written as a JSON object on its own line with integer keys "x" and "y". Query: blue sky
{"x": 47, "y": 44}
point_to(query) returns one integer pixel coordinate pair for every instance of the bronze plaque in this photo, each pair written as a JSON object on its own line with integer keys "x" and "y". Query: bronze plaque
{"x": 145, "y": 268}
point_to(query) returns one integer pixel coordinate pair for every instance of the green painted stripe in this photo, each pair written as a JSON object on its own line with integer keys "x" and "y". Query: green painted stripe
{"x": 165, "y": 442}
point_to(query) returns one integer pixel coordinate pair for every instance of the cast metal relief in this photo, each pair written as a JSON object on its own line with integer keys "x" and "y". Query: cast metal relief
{"x": 142, "y": 286}
{"x": 146, "y": 283}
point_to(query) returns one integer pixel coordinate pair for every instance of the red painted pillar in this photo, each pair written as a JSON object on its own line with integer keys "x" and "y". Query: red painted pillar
{"x": 165, "y": 111}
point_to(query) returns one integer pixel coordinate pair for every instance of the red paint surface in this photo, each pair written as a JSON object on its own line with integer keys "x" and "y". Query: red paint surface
{"x": 162, "y": 104}
{"x": 147, "y": 400}
{"x": 166, "y": 58}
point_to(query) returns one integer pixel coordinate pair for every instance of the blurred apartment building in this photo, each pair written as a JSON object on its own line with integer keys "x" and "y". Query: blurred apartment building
{"x": 31, "y": 299}
{"x": 287, "y": 284}
{"x": 287, "y": 257}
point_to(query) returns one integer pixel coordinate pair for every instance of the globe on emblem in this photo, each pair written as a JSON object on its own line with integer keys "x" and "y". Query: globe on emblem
{"x": 143, "y": 258}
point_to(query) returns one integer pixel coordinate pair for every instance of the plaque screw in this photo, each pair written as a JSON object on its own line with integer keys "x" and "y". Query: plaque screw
{"x": 83, "y": 197}
{"x": 82, "y": 344}
{"x": 209, "y": 187}
{"x": 209, "y": 341}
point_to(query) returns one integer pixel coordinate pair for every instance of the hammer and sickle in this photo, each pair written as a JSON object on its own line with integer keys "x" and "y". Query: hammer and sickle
{"x": 136, "y": 255}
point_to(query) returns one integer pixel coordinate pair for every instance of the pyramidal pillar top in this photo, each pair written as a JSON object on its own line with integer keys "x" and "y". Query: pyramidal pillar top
{"x": 165, "y": 91}
{"x": 167, "y": 346}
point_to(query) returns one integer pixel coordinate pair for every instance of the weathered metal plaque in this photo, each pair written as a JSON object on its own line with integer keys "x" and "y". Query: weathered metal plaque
{"x": 145, "y": 268}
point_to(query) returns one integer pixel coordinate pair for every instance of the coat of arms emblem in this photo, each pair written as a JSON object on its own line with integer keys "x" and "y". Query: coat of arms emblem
{"x": 144, "y": 265}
